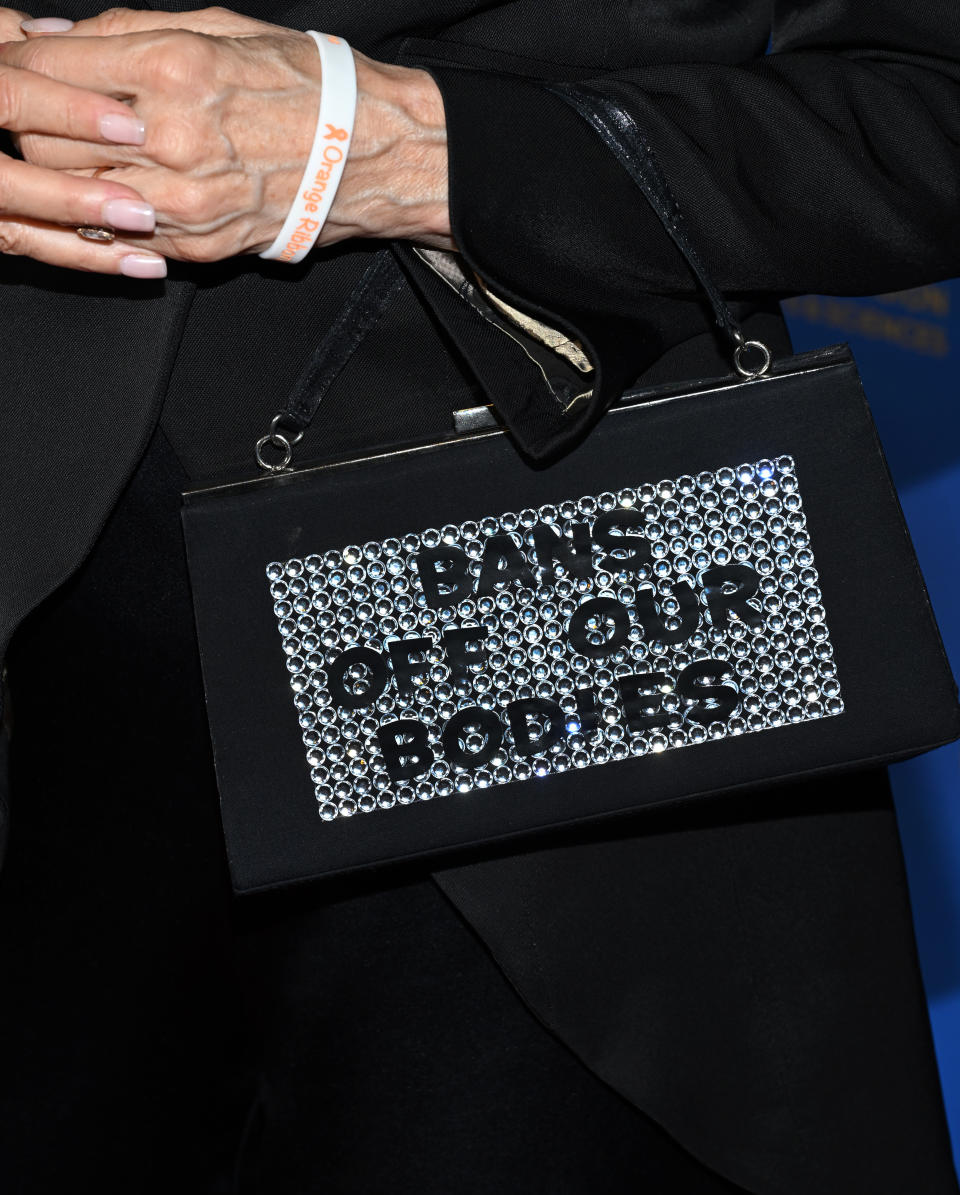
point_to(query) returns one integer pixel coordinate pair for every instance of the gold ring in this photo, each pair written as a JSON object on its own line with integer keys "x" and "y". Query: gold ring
{"x": 95, "y": 232}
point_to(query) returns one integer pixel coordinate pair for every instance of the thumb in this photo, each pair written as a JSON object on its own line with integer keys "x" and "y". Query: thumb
{"x": 215, "y": 22}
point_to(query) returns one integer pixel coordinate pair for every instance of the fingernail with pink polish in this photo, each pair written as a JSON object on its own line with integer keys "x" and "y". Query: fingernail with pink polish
{"x": 47, "y": 25}
{"x": 140, "y": 265}
{"x": 130, "y": 215}
{"x": 124, "y": 130}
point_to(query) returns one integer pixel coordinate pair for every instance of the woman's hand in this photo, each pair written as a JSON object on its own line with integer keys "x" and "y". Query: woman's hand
{"x": 230, "y": 116}
{"x": 40, "y": 208}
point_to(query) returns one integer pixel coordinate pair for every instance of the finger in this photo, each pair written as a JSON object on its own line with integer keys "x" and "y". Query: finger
{"x": 59, "y": 247}
{"x": 104, "y": 65}
{"x": 10, "y": 21}
{"x": 58, "y": 153}
{"x": 120, "y": 66}
{"x": 219, "y": 22}
{"x": 125, "y": 65}
{"x": 32, "y": 103}
{"x": 30, "y": 191}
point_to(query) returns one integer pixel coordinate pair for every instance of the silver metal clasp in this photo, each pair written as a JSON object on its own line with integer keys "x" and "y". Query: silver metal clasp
{"x": 751, "y": 346}
{"x": 283, "y": 442}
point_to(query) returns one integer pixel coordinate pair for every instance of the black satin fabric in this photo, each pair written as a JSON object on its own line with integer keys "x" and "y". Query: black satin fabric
{"x": 744, "y": 973}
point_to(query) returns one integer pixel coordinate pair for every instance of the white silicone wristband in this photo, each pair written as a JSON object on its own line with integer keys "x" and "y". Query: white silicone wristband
{"x": 331, "y": 143}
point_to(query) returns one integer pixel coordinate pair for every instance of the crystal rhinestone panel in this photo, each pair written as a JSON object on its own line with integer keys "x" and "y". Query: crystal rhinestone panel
{"x": 713, "y": 627}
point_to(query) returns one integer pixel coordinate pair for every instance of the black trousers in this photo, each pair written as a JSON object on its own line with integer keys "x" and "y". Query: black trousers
{"x": 160, "y": 1035}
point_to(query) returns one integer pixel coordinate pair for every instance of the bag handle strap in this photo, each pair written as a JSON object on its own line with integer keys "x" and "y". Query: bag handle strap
{"x": 622, "y": 135}
{"x": 383, "y": 279}
{"x": 378, "y": 287}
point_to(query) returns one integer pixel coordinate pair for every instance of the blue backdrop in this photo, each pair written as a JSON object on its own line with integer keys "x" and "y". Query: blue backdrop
{"x": 908, "y": 349}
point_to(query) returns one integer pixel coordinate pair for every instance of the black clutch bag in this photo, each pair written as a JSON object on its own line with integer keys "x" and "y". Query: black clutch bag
{"x": 438, "y": 646}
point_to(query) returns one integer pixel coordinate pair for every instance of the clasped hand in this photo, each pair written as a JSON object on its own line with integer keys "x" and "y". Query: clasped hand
{"x": 208, "y": 127}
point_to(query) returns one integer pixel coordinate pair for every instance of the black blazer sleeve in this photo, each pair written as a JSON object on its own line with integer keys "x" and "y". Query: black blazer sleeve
{"x": 830, "y": 164}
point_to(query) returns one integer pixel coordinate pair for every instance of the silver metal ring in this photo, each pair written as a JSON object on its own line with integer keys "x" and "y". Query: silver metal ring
{"x": 743, "y": 370}
{"x": 278, "y": 441}
{"x": 291, "y": 440}
{"x": 92, "y": 232}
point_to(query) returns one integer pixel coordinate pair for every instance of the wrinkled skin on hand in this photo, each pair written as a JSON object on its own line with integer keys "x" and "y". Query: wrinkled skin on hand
{"x": 230, "y": 107}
